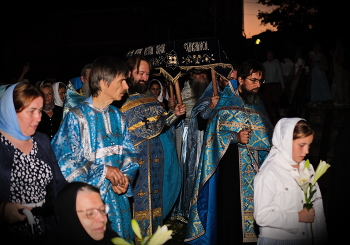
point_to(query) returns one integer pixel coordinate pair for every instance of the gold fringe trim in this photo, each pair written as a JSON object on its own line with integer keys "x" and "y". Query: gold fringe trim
{"x": 168, "y": 77}
{"x": 144, "y": 215}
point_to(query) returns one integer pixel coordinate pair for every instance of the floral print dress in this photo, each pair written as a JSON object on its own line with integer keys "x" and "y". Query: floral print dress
{"x": 29, "y": 178}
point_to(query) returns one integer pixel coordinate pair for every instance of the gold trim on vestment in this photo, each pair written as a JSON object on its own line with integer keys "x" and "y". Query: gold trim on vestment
{"x": 135, "y": 103}
{"x": 140, "y": 124}
{"x": 150, "y": 205}
{"x": 144, "y": 215}
{"x": 151, "y": 137}
{"x": 79, "y": 91}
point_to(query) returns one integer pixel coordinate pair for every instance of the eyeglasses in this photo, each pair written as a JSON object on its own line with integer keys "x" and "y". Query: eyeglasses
{"x": 255, "y": 81}
{"x": 91, "y": 213}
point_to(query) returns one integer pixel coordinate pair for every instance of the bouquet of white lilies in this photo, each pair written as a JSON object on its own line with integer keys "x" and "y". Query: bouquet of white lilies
{"x": 307, "y": 180}
{"x": 158, "y": 238}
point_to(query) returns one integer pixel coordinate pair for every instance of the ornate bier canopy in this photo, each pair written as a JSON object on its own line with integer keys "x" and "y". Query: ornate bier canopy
{"x": 174, "y": 59}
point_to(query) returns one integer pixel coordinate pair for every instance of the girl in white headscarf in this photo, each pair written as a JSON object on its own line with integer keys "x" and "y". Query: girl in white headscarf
{"x": 59, "y": 91}
{"x": 278, "y": 199}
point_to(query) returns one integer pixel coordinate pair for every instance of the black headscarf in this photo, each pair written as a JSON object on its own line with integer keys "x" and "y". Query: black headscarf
{"x": 69, "y": 229}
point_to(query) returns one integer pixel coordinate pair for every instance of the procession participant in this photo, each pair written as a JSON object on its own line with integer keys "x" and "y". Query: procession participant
{"x": 193, "y": 128}
{"x": 29, "y": 173}
{"x": 159, "y": 179}
{"x": 236, "y": 142}
{"x": 77, "y": 89}
{"x": 279, "y": 199}
{"x": 82, "y": 217}
{"x": 93, "y": 143}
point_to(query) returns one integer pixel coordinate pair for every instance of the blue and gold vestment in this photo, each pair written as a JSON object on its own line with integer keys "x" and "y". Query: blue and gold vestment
{"x": 230, "y": 116}
{"x": 192, "y": 147}
{"x": 159, "y": 179}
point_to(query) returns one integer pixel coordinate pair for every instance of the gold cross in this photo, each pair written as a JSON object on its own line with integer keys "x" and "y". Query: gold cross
{"x": 156, "y": 160}
{"x": 141, "y": 194}
{"x": 141, "y": 162}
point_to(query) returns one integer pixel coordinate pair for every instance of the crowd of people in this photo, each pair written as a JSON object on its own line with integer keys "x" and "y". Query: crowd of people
{"x": 111, "y": 145}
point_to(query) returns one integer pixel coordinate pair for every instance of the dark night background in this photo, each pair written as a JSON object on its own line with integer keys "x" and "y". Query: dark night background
{"x": 59, "y": 37}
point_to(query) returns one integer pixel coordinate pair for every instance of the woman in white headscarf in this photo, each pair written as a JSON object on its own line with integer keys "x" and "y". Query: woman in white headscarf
{"x": 59, "y": 92}
{"x": 278, "y": 198}
{"x": 156, "y": 88}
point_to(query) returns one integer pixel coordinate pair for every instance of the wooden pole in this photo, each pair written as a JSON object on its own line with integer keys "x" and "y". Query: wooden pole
{"x": 171, "y": 93}
{"x": 178, "y": 92}
{"x": 213, "y": 78}
{"x": 171, "y": 90}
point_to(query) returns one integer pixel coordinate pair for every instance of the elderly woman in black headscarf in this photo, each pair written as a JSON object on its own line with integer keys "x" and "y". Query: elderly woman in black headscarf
{"x": 82, "y": 217}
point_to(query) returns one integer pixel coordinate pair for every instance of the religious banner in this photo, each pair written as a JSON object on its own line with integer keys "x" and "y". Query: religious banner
{"x": 174, "y": 59}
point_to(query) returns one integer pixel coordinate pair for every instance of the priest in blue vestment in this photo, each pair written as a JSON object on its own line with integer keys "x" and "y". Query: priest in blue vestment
{"x": 191, "y": 147}
{"x": 158, "y": 182}
{"x": 236, "y": 142}
{"x": 93, "y": 144}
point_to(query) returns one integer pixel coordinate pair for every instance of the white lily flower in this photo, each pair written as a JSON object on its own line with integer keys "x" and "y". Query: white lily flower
{"x": 158, "y": 238}
{"x": 306, "y": 184}
{"x": 136, "y": 228}
{"x": 307, "y": 164}
{"x": 161, "y": 236}
{"x": 304, "y": 178}
{"x": 321, "y": 169}
{"x": 120, "y": 241}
